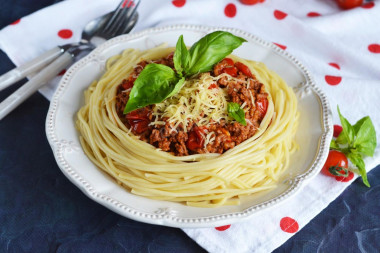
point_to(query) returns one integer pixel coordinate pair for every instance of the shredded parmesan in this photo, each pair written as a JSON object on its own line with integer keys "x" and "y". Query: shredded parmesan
{"x": 195, "y": 102}
{"x": 249, "y": 82}
{"x": 210, "y": 138}
{"x": 252, "y": 99}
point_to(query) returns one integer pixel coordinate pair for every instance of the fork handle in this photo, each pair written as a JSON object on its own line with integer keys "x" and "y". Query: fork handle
{"x": 30, "y": 67}
{"x": 34, "y": 84}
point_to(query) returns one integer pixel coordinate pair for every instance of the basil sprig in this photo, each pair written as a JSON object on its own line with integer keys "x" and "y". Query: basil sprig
{"x": 356, "y": 141}
{"x": 210, "y": 50}
{"x": 157, "y": 82}
{"x": 234, "y": 111}
{"x": 181, "y": 57}
{"x": 145, "y": 92}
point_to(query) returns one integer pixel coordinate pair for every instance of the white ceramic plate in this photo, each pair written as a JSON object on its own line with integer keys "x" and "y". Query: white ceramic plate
{"x": 315, "y": 132}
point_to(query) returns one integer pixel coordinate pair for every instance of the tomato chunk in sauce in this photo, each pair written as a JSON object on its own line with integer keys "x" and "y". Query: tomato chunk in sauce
{"x": 241, "y": 88}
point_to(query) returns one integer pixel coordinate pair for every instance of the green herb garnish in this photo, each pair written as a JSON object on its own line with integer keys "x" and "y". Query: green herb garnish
{"x": 234, "y": 111}
{"x": 210, "y": 50}
{"x": 157, "y": 82}
{"x": 356, "y": 141}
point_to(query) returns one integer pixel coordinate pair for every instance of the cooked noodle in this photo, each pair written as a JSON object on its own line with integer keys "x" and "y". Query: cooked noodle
{"x": 202, "y": 180}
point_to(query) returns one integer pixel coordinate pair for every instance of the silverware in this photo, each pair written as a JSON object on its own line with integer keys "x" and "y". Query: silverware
{"x": 118, "y": 22}
{"x": 41, "y": 61}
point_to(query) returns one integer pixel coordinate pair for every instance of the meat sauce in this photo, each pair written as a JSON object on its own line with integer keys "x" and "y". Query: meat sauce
{"x": 243, "y": 88}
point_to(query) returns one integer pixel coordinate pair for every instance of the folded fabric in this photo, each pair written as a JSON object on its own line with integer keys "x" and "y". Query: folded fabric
{"x": 340, "y": 48}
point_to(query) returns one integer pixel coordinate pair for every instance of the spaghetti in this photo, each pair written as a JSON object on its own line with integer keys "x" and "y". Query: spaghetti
{"x": 202, "y": 180}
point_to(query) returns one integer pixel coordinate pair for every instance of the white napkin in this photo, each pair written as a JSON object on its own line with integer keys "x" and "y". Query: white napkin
{"x": 338, "y": 47}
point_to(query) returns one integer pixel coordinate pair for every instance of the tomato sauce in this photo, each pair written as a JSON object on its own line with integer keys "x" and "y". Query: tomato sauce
{"x": 243, "y": 87}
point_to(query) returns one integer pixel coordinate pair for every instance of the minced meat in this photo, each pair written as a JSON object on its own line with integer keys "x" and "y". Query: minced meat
{"x": 243, "y": 88}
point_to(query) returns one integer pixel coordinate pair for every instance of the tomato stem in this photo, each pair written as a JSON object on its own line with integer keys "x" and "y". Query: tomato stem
{"x": 339, "y": 171}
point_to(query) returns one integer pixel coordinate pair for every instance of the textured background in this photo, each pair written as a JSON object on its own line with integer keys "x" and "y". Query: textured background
{"x": 41, "y": 211}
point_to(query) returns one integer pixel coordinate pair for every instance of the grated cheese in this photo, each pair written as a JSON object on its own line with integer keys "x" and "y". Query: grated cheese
{"x": 194, "y": 102}
{"x": 252, "y": 99}
{"x": 210, "y": 138}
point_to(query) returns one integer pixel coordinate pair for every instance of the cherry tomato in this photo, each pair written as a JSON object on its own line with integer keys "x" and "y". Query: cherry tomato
{"x": 228, "y": 62}
{"x": 225, "y": 63}
{"x": 337, "y": 160}
{"x": 262, "y": 106}
{"x": 138, "y": 120}
{"x": 232, "y": 71}
{"x": 244, "y": 69}
{"x": 349, "y": 4}
{"x": 195, "y": 139}
{"x": 345, "y": 179}
{"x": 251, "y": 2}
{"x": 337, "y": 130}
{"x": 140, "y": 126}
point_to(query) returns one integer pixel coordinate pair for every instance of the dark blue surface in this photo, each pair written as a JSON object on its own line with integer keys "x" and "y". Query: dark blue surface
{"x": 41, "y": 211}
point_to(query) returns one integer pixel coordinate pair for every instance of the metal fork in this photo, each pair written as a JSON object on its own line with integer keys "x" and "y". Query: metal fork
{"x": 123, "y": 14}
{"x": 123, "y": 19}
{"x": 117, "y": 24}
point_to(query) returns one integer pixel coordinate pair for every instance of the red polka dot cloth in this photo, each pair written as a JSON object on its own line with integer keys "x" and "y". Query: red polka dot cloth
{"x": 341, "y": 48}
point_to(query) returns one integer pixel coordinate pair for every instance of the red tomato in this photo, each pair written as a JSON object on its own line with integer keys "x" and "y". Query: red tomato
{"x": 213, "y": 86}
{"x": 228, "y": 62}
{"x": 244, "y": 69}
{"x": 140, "y": 126}
{"x": 251, "y": 2}
{"x": 262, "y": 106}
{"x": 232, "y": 71}
{"x": 338, "y": 161}
{"x": 195, "y": 139}
{"x": 349, "y": 4}
{"x": 225, "y": 63}
{"x": 138, "y": 120}
{"x": 345, "y": 179}
{"x": 337, "y": 130}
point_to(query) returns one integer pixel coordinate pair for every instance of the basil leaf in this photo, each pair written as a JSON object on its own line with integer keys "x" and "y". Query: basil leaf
{"x": 234, "y": 111}
{"x": 181, "y": 56}
{"x": 211, "y": 49}
{"x": 357, "y": 159}
{"x": 155, "y": 83}
{"x": 177, "y": 87}
{"x": 365, "y": 141}
{"x": 333, "y": 144}
{"x": 348, "y": 133}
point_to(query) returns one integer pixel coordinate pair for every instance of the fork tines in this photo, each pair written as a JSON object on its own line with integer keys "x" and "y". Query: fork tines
{"x": 122, "y": 16}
